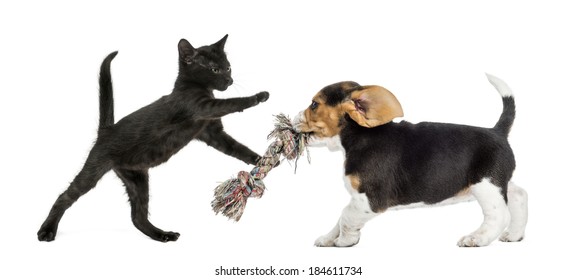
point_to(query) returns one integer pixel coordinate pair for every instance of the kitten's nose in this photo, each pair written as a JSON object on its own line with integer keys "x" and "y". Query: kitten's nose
{"x": 229, "y": 81}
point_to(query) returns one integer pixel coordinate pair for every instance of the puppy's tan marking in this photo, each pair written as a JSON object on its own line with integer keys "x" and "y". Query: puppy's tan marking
{"x": 323, "y": 120}
{"x": 354, "y": 181}
{"x": 464, "y": 192}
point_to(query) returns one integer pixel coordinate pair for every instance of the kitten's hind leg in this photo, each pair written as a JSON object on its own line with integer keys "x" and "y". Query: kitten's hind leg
{"x": 136, "y": 182}
{"x": 93, "y": 170}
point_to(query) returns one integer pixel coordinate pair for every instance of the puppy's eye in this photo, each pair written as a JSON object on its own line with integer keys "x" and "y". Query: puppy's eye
{"x": 215, "y": 70}
{"x": 314, "y": 105}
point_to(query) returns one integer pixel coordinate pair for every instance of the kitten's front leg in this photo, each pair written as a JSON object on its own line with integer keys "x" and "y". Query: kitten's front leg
{"x": 215, "y": 136}
{"x": 217, "y": 108}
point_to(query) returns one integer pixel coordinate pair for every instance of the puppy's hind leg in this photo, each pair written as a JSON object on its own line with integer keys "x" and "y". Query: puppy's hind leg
{"x": 496, "y": 215}
{"x": 518, "y": 206}
{"x": 136, "y": 182}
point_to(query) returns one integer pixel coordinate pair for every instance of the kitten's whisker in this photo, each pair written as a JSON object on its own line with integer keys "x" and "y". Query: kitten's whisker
{"x": 238, "y": 87}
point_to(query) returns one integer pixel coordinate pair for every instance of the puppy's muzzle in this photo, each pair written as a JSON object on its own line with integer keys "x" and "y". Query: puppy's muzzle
{"x": 299, "y": 121}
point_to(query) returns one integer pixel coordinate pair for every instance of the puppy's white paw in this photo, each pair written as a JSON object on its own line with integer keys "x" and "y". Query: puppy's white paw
{"x": 511, "y": 237}
{"x": 472, "y": 241}
{"x": 324, "y": 241}
{"x": 346, "y": 242}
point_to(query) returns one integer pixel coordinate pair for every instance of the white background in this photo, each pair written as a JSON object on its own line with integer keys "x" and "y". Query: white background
{"x": 431, "y": 54}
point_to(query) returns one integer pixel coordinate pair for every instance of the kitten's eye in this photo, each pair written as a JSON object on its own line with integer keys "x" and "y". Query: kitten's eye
{"x": 314, "y": 105}
{"x": 228, "y": 69}
{"x": 216, "y": 70}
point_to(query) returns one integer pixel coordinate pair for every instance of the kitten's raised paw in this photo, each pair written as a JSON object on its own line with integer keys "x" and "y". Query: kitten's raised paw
{"x": 262, "y": 96}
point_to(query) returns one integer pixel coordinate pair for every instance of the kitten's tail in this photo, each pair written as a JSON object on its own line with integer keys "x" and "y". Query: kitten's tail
{"x": 106, "y": 93}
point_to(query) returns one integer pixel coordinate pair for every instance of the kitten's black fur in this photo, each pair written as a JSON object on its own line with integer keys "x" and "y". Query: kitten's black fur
{"x": 152, "y": 134}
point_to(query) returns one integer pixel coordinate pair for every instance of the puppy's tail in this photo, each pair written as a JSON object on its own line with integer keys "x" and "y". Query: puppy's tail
{"x": 106, "y": 93}
{"x": 506, "y": 120}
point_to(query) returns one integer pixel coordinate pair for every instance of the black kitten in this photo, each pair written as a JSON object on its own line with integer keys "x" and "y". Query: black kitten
{"x": 152, "y": 134}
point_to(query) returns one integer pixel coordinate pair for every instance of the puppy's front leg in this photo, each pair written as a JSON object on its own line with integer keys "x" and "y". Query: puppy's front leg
{"x": 327, "y": 240}
{"x": 347, "y": 232}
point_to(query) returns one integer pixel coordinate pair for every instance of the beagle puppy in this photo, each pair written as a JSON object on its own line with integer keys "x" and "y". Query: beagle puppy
{"x": 394, "y": 165}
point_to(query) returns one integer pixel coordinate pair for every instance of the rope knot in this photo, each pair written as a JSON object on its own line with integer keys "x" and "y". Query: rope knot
{"x": 231, "y": 196}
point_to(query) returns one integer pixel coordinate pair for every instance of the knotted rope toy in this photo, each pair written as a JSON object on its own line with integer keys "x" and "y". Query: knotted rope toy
{"x": 231, "y": 196}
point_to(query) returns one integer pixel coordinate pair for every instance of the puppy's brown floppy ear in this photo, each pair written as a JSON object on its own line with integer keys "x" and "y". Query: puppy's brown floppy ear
{"x": 372, "y": 106}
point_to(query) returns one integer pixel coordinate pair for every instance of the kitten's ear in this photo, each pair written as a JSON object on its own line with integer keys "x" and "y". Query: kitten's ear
{"x": 186, "y": 51}
{"x": 220, "y": 44}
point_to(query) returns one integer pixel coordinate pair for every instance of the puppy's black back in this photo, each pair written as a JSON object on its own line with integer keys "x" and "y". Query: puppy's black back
{"x": 404, "y": 163}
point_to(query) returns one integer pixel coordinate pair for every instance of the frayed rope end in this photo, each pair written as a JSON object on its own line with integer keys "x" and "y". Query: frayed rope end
{"x": 231, "y": 196}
